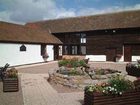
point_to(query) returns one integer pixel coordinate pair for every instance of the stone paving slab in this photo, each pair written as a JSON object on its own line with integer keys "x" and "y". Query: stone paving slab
{"x": 39, "y": 68}
{"x": 11, "y": 98}
{"x": 37, "y": 91}
{"x": 75, "y": 98}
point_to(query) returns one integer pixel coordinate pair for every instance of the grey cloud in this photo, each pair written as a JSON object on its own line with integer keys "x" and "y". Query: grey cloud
{"x": 30, "y": 10}
{"x": 93, "y": 11}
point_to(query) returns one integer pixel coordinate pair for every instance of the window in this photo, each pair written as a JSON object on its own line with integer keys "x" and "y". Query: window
{"x": 60, "y": 50}
{"x": 83, "y": 38}
{"x": 74, "y": 50}
{"x": 65, "y": 50}
{"x": 83, "y": 50}
{"x": 23, "y": 48}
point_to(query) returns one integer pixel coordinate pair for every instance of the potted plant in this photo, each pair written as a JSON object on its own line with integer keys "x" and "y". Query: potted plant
{"x": 117, "y": 91}
{"x": 10, "y": 82}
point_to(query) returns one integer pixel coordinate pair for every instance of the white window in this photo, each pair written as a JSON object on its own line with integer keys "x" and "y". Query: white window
{"x": 74, "y": 49}
{"x": 83, "y": 50}
{"x": 83, "y": 38}
{"x": 60, "y": 50}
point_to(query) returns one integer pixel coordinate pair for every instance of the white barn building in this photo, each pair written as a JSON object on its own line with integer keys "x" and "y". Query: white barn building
{"x": 21, "y": 45}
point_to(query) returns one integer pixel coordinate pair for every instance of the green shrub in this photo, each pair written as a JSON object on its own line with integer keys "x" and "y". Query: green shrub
{"x": 119, "y": 84}
{"x": 63, "y": 63}
{"x": 74, "y": 72}
{"x": 96, "y": 88}
{"x": 71, "y": 63}
{"x": 82, "y": 63}
{"x": 100, "y": 72}
{"x": 115, "y": 86}
{"x": 12, "y": 73}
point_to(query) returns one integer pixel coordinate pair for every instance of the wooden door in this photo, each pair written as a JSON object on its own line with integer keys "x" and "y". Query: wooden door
{"x": 111, "y": 54}
{"x": 56, "y": 52}
{"x": 50, "y": 52}
{"x": 127, "y": 53}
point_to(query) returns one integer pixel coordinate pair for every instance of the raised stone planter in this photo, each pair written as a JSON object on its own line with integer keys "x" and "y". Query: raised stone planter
{"x": 127, "y": 98}
{"x": 10, "y": 85}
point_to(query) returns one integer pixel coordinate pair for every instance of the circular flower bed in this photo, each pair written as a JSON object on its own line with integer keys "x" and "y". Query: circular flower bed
{"x": 75, "y": 78}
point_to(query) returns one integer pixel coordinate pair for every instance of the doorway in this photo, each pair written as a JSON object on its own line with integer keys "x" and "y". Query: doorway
{"x": 111, "y": 54}
{"x": 50, "y": 51}
{"x": 127, "y": 53}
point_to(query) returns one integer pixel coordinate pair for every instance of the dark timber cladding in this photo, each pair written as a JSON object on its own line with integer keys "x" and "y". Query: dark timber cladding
{"x": 111, "y": 43}
{"x": 113, "y": 34}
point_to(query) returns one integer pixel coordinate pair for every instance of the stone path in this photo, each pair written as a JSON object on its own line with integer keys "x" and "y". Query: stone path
{"x": 37, "y": 91}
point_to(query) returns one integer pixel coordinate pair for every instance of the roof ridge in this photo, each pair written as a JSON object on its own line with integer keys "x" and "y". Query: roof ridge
{"x": 86, "y": 16}
{"x": 10, "y": 23}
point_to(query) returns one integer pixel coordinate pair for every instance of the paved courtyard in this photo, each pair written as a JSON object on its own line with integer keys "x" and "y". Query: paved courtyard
{"x": 35, "y": 90}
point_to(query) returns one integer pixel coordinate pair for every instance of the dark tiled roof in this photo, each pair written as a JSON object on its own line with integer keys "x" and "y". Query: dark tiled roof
{"x": 18, "y": 33}
{"x": 126, "y": 19}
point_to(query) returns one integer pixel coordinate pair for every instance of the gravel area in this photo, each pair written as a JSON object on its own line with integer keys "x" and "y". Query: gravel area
{"x": 63, "y": 89}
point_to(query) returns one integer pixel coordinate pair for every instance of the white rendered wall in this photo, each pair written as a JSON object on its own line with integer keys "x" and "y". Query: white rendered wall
{"x": 50, "y": 52}
{"x": 10, "y": 53}
{"x": 121, "y": 59}
{"x": 135, "y": 58}
{"x": 96, "y": 57}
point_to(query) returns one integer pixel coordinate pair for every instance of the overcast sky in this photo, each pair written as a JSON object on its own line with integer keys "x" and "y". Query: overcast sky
{"x": 23, "y": 11}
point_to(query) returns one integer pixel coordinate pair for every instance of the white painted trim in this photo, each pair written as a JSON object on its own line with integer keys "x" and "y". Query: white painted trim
{"x": 135, "y": 58}
{"x": 120, "y": 59}
{"x": 96, "y": 57}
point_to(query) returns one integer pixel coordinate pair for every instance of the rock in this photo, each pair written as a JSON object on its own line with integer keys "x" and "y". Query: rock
{"x": 65, "y": 76}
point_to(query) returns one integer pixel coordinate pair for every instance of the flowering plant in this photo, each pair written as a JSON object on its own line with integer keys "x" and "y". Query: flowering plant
{"x": 115, "y": 86}
{"x": 12, "y": 73}
{"x": 96, "y": 88}
{"x": 118, "y": 85}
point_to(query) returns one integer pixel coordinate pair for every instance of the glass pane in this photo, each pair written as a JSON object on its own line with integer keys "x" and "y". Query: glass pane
{"x": 83, "y": 40}
{"x": 65, "y": 49}
{"x": 83, "y": 49}
{"x": 74, "y": 49}
{"x": 60, "y": 50}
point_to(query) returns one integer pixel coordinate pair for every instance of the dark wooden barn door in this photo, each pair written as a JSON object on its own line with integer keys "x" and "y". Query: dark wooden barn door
{"x": 56, "y": 52}
{"x": 111, "y": 54}
{"x": 127, "y": 53}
